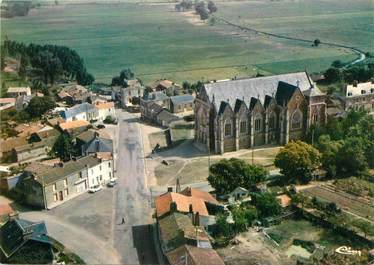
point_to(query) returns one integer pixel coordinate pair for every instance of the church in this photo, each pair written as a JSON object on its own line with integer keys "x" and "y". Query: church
{"x": 243, "y": 113}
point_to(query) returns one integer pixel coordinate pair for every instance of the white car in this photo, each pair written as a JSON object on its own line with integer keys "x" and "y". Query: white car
{"x": 112, "y": 183}
{"x": 94, "y": 189}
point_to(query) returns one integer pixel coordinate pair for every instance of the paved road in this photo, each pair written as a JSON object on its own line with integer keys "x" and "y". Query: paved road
{"x": 132, "y": 240}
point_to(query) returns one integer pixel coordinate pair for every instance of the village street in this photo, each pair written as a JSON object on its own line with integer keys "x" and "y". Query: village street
{"x": 91, "y": 224}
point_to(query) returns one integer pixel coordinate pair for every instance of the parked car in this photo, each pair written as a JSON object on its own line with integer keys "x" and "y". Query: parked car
{"x": 112, "y": 183}
{"x": 94, "y": 189}
{"x": 101, "y": 126}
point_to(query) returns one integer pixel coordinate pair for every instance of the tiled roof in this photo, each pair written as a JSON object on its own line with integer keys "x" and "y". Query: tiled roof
{"x": 177, "y": 228}
{"x": 7, "y": 100}
{"x": 284, "y": 200}
{"x": 104, "y": 105}
{"x": 19, "y": 90}
{"x": 183, "y": 204}
{"x": 44, "y": 143}
{"x": 48, "y": 174}
{"x": 245, "y": 89}
{"x": 190, "y": 255}
{"x": 73, "y": 124}
{"x": 11, "y": 143}
{"x": 196, "y": 193}
{"x": 105, "y": 156}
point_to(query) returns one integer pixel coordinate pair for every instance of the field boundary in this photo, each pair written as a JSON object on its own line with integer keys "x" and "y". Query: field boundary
{"x": 361, "y": 54}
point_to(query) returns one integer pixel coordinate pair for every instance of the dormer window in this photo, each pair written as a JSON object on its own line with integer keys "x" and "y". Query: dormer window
{"x": 349, "y": 94}
{"x": 363, "y": 92}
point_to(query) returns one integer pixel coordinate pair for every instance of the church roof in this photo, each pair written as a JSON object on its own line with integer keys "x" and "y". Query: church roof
{"x": 258, "y": 88}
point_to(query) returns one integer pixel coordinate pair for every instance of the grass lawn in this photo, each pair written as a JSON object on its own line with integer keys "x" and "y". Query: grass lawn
{"x": 156, "y": 42}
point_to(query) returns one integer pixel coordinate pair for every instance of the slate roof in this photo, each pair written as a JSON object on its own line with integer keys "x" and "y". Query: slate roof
{"x": 166, "y": 116}
{"x": 284, "y": 93}
{"x": 98, "y": 144}
{"x": 182, "y": 99}
{"x": 47, "y": 175}
{"x": 177, "y": 228}
{"x": 77, "y": 109}
{"x": 88, "y": 135}
{"x": 190, "y": 255}
{"x": 245, "y": 89}
{"x": 155, "y": 96}
{"x": 15, "y": 233}
{"x": 155, "y": 108}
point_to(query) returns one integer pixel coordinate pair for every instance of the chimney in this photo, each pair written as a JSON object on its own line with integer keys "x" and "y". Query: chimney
{"x": 355, "y": 83}
{"x": 178, "y": 187}
{"x": 197, "y": 219}
{"x": 170, "y": 189}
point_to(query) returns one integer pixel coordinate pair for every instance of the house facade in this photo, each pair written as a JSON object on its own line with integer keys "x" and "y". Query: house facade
{"x": 239, "y": 114}
{"x": 48, "y": 186}
{"x": 359, "y": 96}
{"x": 84, "y": 111}
{"x": 105, "y": 109}
{"x": 15, "y": 92}
{"x": 133, "y": 90}
{"x": 182, "y": 103}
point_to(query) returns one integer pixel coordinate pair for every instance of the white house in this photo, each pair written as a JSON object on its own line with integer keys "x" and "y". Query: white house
{"x": 105, "y": 109}
{"x": 84, "y": 111}
{"x": 101, "y": 173}
{"x": 18, "y": 91}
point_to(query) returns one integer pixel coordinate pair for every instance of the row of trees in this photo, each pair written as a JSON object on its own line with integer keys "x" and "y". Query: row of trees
{"x": 49, "y": 62}
{"x": 357, "y": 73}
{"x": 346, "y": 144}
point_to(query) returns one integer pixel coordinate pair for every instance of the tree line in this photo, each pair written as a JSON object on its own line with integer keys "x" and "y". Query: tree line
{"x": 202, "y": 8}
{"x": 48, "y": 62}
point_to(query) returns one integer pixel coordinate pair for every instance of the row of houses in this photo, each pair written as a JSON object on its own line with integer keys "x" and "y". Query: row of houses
{"x": 183, "y": 220}
{"x": 89, "y": 112}
{"x": 46, "y": 186}
{"x": 161, "y": 109}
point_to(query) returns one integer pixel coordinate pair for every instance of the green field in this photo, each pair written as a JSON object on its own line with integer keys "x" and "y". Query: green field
{"x": 157, "y": 42}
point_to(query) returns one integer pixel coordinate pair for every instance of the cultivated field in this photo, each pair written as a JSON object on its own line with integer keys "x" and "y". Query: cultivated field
{"x": 156, "y": 42}
{"x": 354, "y": 205}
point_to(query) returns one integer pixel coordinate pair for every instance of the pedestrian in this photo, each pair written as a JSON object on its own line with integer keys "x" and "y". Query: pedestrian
{"x": 123, "y": 221}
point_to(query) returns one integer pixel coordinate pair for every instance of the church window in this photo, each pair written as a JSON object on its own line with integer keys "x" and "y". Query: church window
{"x": 258, "y": 123}
{"x": 296, "y": 119}
{"x": 272, "y": 121}
{"x": 243, "y": 127}
{"x": 227, "y": 129}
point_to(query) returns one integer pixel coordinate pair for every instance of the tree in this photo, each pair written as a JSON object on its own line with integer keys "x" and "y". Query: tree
{"x": 266, "y": 204}
{"x": 243, "y": 217}
{"x": 2, "y": 60}
{"x": 212, "y": 7}
{"x": 39, "y": 105}
{"x": 316, "y": 42}
{"x": 49, "y": 65}
{"x": 201, "y": 10}
{"x": 126, "y": 74}
{"x": 329, "y": 150}
{"x": 228, "y": 174}
{"x": 222, "y": 226}
{"x": 204, "y": 15}
{"x": 297, "y": 160}
{"x": 351, "y": 160}
{"x": 64, "y": 147}
{"x": 337, "y": 64}
{"x": 333, "y": 75}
